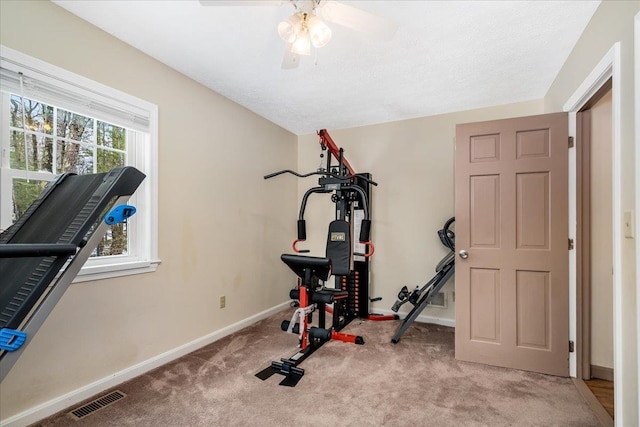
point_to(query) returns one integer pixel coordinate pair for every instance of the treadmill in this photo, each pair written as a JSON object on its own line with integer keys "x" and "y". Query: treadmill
{"x": 43, "y": 251}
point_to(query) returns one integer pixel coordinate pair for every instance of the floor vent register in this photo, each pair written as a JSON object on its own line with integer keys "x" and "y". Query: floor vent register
{"x": 97, "y": 404}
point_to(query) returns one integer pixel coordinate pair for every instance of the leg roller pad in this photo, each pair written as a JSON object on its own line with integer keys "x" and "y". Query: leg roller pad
{"x": 320, "y": 333}
{"x": 326, "y": 298}
{"x": 285, "y": 326}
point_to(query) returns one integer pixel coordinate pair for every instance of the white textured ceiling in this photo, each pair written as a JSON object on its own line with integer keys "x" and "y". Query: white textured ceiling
{"x": 446, "y": 56}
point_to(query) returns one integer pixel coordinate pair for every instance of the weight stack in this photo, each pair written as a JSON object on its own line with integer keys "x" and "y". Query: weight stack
{"x": 358, "y": 289}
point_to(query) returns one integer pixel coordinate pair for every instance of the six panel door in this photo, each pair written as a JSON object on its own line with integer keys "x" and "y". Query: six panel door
{"x": 512, "y": 286}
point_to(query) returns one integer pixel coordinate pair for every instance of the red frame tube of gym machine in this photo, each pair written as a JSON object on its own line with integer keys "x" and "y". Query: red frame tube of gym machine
{"x": 333, "y": 148}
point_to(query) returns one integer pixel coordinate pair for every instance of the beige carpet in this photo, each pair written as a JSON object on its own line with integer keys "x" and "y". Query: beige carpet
{"x": 414, "y": 383}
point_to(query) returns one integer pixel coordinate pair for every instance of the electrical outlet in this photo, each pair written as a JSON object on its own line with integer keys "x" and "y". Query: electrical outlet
{"x": 439, "y": 300}
{"x": 223, "y": 301}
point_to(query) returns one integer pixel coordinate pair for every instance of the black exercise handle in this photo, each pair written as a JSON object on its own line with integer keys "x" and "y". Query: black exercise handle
{"x": 271, "y": 175}
{"x": 365, "y": 230}
{"x": 447, "y": 236}
{"x": 302, "y": 230}
{"x": 448, "y": 223}
{"x": 364, "y": 178}
{"x": 363, "y": 197}
{"x": 325, "y": 173}
{"x": 303, "y": 204}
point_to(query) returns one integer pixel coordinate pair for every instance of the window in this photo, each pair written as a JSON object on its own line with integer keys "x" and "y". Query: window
{"x": 54, "y": 122}
{"x": 46, "y": 140}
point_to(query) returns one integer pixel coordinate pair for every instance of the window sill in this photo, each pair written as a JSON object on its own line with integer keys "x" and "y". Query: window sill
{"x": 99, "y": 272}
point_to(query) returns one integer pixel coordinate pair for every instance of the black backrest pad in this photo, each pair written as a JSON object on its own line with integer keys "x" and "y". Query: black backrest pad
{"x": 339, "y": 247}
{"x": 65, "y": 215}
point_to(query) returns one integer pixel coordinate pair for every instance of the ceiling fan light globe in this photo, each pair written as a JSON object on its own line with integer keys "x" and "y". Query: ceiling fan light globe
{"x": 288, "y": 29}
{"x": 286, "y": 32}
{"x": 319, "y": 32}
{"x": 302, "y": 44}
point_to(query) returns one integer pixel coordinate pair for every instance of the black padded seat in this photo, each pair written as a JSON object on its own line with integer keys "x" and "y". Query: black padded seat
{"x": 320, "y": 267}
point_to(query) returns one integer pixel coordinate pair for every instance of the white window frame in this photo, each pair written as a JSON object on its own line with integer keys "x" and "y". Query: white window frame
{"x": 142, "y": 153}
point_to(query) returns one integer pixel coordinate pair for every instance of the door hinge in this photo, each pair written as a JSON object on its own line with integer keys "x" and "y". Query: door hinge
{"x": 572, "y": 347}
{"x": 570, "y": 142}
{"x": 570, "y": 244}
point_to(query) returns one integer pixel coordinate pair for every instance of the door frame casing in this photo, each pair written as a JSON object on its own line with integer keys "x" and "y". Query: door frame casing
{"x": 637, "y": 171}
{"x": 583, "y": 244}
{"x": 607, "y": 68}
{"x": 583, "y": 232}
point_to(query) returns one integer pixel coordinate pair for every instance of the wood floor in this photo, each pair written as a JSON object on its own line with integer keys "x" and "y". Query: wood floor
{"x": 603, "y": 391}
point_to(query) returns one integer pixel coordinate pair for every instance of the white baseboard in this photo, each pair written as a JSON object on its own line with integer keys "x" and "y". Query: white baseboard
{"x": 442, "y": 321}
{"x": 67, "y": 400}
{"x": 602, "y": 373}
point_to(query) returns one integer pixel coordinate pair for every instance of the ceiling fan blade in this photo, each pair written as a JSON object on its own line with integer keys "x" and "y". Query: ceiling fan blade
{"x": 290, "y": 60}
{"x": 243, "y": 2}
{"x": 348, "y": 16}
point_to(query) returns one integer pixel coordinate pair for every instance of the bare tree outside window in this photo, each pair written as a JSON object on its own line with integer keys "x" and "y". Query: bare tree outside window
{"x": 50, "y": 141}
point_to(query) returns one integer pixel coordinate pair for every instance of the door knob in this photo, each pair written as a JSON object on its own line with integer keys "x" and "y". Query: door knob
{"x": 463, "y": 254}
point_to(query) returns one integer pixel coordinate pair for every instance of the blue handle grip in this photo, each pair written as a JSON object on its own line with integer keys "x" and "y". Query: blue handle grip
{"x": 119, "y": 214}
{"x": 11, "y": 340}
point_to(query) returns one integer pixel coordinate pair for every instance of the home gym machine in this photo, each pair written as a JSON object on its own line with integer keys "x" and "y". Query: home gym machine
{"x": 41, "y": 253}
{"x": 421, "y": 297}
{"x": 350, "y": 191}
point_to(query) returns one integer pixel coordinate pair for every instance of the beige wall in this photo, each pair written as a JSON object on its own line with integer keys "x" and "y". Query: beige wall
{"x": 613, "y": 22}
{"x": 221, "y": 225}
{"x": 220, "y": 228}
{"x": 413, "y": 162}
{"x": 601, "y": 242}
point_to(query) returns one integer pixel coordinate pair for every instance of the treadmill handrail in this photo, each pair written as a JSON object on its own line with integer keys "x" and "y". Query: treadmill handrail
{"x": 24, "y": 280}
{"x": 22, "y": 250}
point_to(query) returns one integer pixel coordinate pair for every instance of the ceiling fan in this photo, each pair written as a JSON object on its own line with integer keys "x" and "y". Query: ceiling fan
{"x": 306, "y": 27}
